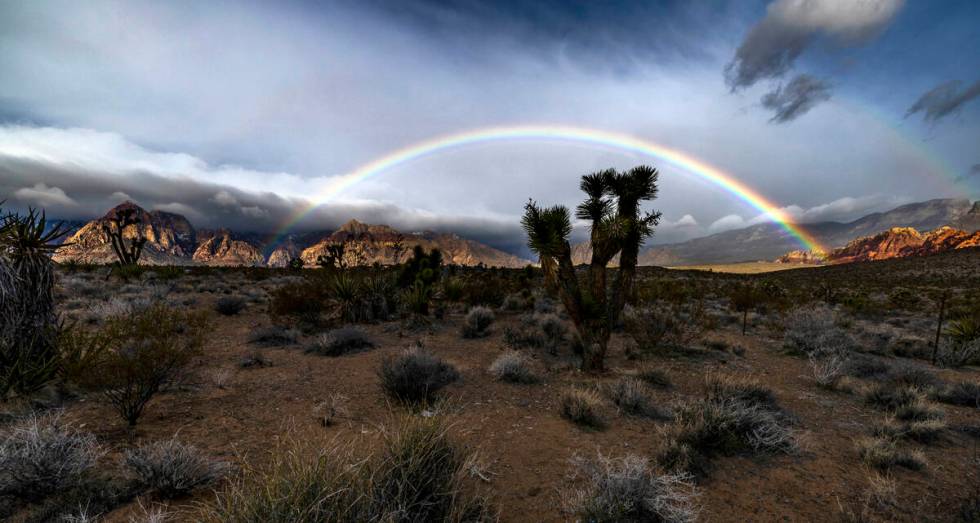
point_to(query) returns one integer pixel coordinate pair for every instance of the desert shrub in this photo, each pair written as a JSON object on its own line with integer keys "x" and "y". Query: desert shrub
{"x": 380, "y": 296}
{"x": 305, "y": 301}
{"x": 813, "y": 331}
{"x": 43, "y": 455}
{"x": 416, "y": 299}
{"x": 828, "y": 370}
{"x": 913, "y": 376}
{"x": 274, "y": 336}
{"x": 484, "y": 292}
{"x": 628, "y": 489}
{"x": 889, "y": 396}
{"x": 513, "y": 367}
{"x": 229, "y": 305}
{"x": 85, "y": 501}
{"x": 171, "y": 468}
{"x": 956, "y": 353}
{"x": 345, "y": 340}
{"x": 918, "y": 410}
{"x": 663, "y": 327}
{"x": 150, "y": 350}
{"x": 654, "y": 377}
{"x": 539, "y": 331}
{"x": 80, "y": 351}
{"x": 722, "y": 387}
{"x": 582, "y": 407}
{"x": 350, "y": 297}
{"x": 453, "y": 289}
{"x": 964, "y": 393}
{"x": 415, "y": 376}
{"x": 419, "y": 474}
{"x": 477, "y": 323}
{"x": 861, "y": 366}
{"x": 737, "y": 414}
{"x": 883, "y": 453}
{"x": 923, "y": 431}
{"x": 514, "y": 303}
{"x": 630, "y": 396}
{"x": 705, "y": 427}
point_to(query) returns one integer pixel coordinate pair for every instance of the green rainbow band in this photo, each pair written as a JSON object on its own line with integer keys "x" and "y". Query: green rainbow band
{"x": 619, "y": 141}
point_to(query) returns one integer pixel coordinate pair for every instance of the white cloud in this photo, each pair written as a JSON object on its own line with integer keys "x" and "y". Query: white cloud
{"x": 225, "y": 199}
{"x": 119, "y": 197}
{"x": 43, "y": 195}
{"x": 725, "y": 223}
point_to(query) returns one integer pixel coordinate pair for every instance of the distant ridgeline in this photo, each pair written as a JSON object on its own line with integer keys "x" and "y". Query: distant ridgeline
{"x": 172, "y": 240}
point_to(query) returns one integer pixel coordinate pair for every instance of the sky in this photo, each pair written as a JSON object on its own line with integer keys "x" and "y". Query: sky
{"x": 238, "y": 114}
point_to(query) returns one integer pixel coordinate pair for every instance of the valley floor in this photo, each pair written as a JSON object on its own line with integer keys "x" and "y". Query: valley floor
{"x": 243, "y": 414}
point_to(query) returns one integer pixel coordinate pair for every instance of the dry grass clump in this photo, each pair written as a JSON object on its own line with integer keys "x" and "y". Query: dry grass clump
{"x": 888, "y": 396}
{"x": 478, "y": 322}
{"x": 338, "y": 342}
{"x": 418, "y": 474}
{"x": 964, "y": 393}
{"x": 513, "y": 367}
{"x": 628, "y": 489}
{"x": 654, "y": 377}
{"x": 738, "y": 388}
{"x": 539, "y": 331}
{"x": 736, "y": 415}
{"x": 172, "y": 469}
{"x": 879, "y": 498}
{"x": 883, "y": 453}
{"x": 861, "y": 366}
{"x": 814, "y": 331}
{"x": 827, "y": 371}
{"x": 630, "y": 396}
{"x": 274, "y": 336}
{"x": 415, "y": 376}
{"x": 43, "y": 455}
{"x": 582, "y": 407}
{"x": 922, "y": 431}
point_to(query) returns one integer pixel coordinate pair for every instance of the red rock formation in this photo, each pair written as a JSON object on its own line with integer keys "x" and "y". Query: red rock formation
{"x": 220, "y": 248}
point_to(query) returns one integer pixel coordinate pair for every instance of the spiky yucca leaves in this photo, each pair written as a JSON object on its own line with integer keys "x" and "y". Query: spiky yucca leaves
{"x": 612, "y": 206}
{"x": 28, "y": 328}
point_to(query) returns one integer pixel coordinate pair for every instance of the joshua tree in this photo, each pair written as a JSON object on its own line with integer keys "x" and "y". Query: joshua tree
{"x": 612, "y": 207}
{"x": 116, "y": 228}
{"x": 28, "y": 325}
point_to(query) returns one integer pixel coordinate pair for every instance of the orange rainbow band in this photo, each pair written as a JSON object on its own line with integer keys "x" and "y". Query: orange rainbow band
{"x": 624, "y": 142}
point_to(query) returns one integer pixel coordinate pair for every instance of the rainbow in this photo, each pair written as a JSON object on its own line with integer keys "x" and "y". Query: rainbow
{"x": 579, "y": 135}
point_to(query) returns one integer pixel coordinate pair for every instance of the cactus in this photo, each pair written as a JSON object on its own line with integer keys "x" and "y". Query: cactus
{"x": 612, "y": 206}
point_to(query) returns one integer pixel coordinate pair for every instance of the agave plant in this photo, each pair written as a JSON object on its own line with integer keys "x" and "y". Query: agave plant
{"x": 28, "y": 327}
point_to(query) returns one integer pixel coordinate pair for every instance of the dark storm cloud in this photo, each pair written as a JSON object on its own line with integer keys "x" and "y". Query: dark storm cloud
{"x": 771, "y": 47}
{"x": 943, "y": 100}
{"x": 76, "y": 194}
{"x": 801, "y": 94}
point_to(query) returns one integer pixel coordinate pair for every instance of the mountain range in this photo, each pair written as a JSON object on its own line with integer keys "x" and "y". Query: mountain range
{"x": 173, "y": 240}
{"x": 768, "y": 241}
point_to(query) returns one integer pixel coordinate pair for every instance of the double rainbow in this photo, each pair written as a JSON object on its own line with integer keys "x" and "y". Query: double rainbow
{"x": 623, "y": 142}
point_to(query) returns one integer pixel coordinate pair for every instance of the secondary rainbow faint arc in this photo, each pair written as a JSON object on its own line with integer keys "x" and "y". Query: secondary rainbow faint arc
{"x": 619, "y": 141}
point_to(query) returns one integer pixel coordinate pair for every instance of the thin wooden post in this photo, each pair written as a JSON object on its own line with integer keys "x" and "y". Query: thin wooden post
{"x": 939, "y": 325}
